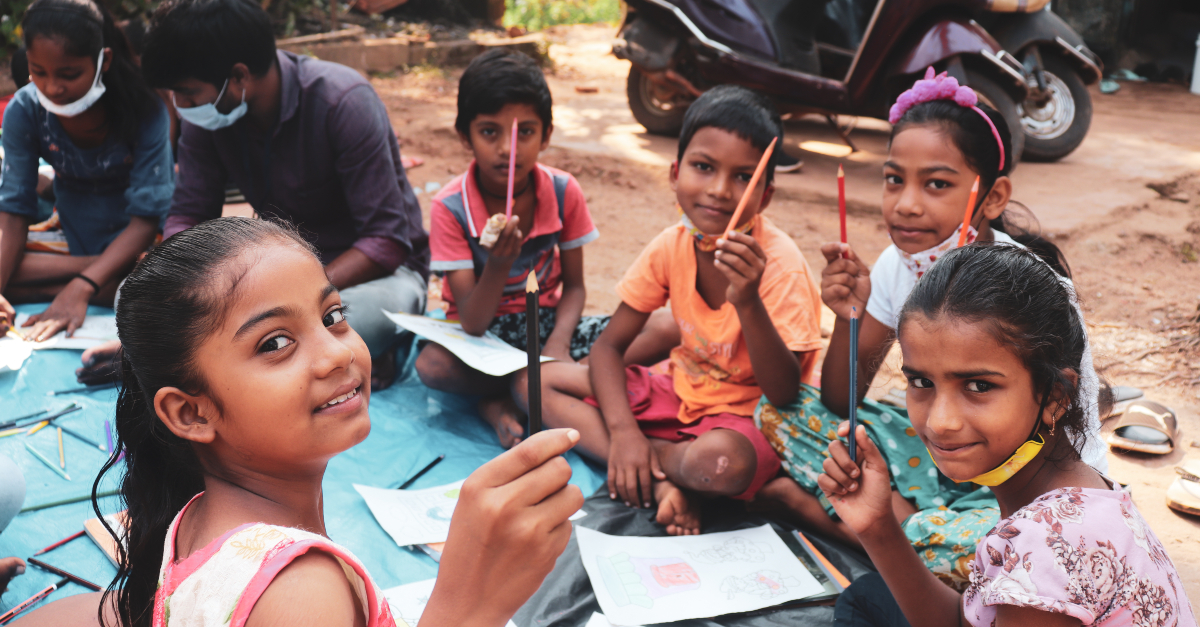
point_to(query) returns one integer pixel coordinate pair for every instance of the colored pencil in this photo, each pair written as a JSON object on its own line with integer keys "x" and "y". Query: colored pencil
{"x": 853, "y": 441}
{"x": 68, "y": 501}
{"x": 28, "y": 603}
{"x": 533, "y": 349}
{"x": 25, "y": 417}
{"x": 758, "y": 171}
{"x": 86, "y": 388}
{"x": 45, "y": 460}
{"x": 15, "y": 333}
{"x": 421, "y": 472}
{"x": 39, "y": 427}
{"x": 842, "y": 200}
{"x": 62, "y": 412}
{"x": 62, "y": 573}
{"x": 6, "y": 433}
{"x": 62, "y": 457}
{"x": 108, "y": 435}
{"x": 512, "y": 169}
{"x": 60, "y": 542}
{"x": 962, "y": 235}
{"x": 77, "y": 436}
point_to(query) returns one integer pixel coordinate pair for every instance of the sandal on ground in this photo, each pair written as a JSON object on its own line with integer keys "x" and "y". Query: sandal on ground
{"x": 1122, "y": 397}
{"x": 1184, "y": 493}
{"x": 1145, "y": 427}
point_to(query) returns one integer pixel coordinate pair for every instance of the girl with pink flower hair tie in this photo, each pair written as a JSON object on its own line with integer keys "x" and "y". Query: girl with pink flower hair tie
{"x": 942, "y": 138}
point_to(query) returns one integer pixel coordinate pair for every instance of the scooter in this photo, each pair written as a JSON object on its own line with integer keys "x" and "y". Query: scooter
{"x": 854, "y": 57}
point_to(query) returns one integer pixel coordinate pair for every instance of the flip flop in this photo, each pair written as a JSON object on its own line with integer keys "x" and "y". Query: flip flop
{"x": 1145, "y": 427}
{"x": 1184, "y": 493}
{"x": 1122, "y": 397}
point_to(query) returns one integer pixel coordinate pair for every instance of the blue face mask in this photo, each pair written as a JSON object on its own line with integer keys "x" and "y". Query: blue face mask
{"x": 207, "y": 117}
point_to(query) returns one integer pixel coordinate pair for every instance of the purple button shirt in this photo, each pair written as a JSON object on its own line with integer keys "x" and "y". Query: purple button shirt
{"x": 331, "y": 167}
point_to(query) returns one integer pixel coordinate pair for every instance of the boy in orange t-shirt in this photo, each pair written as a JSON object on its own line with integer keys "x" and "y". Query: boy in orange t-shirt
{"x": 748, "y": 311}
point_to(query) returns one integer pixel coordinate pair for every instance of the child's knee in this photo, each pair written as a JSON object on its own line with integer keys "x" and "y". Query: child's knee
{"x": 720, "y": 462}
{"x": 436, "y": 366}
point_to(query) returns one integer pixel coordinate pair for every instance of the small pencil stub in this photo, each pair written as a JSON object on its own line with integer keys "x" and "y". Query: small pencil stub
{"x": 531, "y": 284}
{"x": 491, "y": 231}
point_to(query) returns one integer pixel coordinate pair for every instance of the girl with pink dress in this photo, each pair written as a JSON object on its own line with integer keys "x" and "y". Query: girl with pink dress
{"x": 994, "y": 394}
{"x": 242, "y": 378}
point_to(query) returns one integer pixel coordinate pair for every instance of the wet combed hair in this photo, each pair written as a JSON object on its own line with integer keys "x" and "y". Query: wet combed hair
{"x": 85, "y": 28}
{"x": 974, "y": 139}
{"x": 745, "y": 113}
{"x": 1026, "y": 307}
{"x": 174, "y": 299}
{"x": 499, "y": 77}
{"x": 203, "y": 39}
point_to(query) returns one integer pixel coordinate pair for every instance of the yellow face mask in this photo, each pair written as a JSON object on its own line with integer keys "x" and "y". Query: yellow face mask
{"x": 998, "y": 475}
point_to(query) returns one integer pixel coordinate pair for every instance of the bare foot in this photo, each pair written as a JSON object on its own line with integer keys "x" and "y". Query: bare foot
{"x": 675, "y": 511}
{"x": 505, "y": 417}
{"x": 10, "y": 567}
{"x": 383, "y": 371}
{"x": 785, "y": 498}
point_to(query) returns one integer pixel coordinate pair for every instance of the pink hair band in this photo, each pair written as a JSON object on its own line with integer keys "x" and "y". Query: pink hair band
{"x": 942, "y": 87}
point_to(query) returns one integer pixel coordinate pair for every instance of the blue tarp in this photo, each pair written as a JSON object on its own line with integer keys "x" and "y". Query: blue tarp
{"x": 411, "y": 425}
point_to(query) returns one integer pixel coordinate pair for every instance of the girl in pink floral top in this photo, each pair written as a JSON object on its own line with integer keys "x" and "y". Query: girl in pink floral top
{"x": 242, "y": 378}
{"x": 994, "y": 395}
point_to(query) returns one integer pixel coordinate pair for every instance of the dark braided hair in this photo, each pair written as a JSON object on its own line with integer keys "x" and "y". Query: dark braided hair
{"x": 1027, "y": 308}
{"x": 170, "y": 303}
{"x": 974, "y": 139}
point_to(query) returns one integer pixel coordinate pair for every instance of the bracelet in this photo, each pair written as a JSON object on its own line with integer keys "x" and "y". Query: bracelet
{"x": 95, "y": 286}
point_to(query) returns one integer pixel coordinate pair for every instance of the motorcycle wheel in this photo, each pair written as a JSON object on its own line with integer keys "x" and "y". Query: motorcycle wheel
{"x": 652, "y": 106}
{"x": 993, "y": 95}
{"x": 1059, "y": 125}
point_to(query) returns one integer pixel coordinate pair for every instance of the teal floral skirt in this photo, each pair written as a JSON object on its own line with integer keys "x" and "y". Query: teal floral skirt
{"x": 951, "y": 518}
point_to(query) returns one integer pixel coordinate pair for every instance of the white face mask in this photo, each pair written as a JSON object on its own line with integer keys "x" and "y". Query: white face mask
{"x": 207, "y": 117}
{"x": 83, "y": 104}
{"x": 918, "y": 263}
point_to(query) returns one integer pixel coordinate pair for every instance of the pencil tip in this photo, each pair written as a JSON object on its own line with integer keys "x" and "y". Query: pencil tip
{"x": 841, "y": 172}
{"x": 531, "y": 284}
{"x": 975, "y": 187}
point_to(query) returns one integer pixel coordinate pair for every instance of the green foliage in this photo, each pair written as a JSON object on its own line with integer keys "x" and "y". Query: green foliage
{"x": 11, "y": 12}
{"x": 538, "y": 14}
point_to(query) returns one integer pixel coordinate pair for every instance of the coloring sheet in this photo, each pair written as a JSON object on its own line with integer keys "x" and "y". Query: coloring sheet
{"x": 488, "y": 354}
{"x": 94, "y": 331}
{"x": 600, "y": 620}
{"x": 13, "y": 353}
{"x": 413, "y": 516}
{"x": 642, "y": 581}
{"x": 408, "y": 602}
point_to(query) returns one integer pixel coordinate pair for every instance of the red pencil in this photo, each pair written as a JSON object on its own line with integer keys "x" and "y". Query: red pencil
{"x": 842, "y": 200}
{"x": 60, "y": 542}
{"x": 512, "y": 169}
{"x": 962, "y": 235}
{"x": 27, "y": 603}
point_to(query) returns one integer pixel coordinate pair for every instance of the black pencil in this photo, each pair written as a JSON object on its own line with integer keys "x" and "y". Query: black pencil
{"x": 533, "y": 348}
{"x": 421, "y": 472}
{"x": 77, "y": 436}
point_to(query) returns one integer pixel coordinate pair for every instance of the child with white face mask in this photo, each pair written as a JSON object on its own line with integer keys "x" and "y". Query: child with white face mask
{"x": 942, "y": 140}
{"x": 89, "y": 114}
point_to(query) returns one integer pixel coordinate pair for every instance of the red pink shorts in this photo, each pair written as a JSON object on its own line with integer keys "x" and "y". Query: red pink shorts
{"x": 656, "y": 406}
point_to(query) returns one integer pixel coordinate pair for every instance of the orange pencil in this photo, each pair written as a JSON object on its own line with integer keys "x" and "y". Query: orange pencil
{"x": 962, "y": 235}
{"x": 762, "y": 165}
{"x": 512, "y": 167}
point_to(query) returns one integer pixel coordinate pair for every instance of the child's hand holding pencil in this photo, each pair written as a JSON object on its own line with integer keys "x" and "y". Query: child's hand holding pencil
{"x": 845, "y": 281}
{"x": 861, "y": 493}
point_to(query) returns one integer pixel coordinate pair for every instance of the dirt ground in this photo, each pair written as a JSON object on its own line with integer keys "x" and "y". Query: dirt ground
{"x": 1125, "y": 208}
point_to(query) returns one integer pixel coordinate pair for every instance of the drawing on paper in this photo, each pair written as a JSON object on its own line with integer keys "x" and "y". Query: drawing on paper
{"x": 764, "y": 584}
{"x": 736, "y": 549}
{"x": 641, "y": 580}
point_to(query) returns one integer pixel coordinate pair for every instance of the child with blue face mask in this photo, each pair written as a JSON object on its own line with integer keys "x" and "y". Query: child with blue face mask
{"x": 89, "y": 114}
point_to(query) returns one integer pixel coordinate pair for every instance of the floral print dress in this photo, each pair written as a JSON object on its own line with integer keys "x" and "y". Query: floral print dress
{"x": 1083, "y": 552}
{"x": 218, "y": 585}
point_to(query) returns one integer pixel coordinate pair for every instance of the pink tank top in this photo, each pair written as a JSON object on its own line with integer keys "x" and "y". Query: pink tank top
{"x": 218, "y": 585}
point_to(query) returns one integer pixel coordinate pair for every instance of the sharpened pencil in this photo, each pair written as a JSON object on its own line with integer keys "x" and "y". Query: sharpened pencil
{"x": 77, "y": 436}
{"x": 970, "y": 213}
{"x": 60, "y": 542}
{"x": 28, "y": 603}
{"x": 751, "y": 186}
{"x": 62, "y": 573}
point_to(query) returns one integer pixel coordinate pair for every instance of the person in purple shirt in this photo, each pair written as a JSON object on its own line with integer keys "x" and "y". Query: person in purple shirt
{"x": 306, "y": 141}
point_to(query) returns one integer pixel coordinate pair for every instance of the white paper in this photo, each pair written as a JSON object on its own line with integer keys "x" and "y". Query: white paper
{"x": 413, "y": 516}
{"x": 417, "y": 516}
{"x": 408, "y": 602}
{"x": 642, "y": 581}
{"x": 600, "y": 620}
{"x": 94, "y": 331}
{"x": 13, "y": 353}
{"x": 487, "y": 354}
